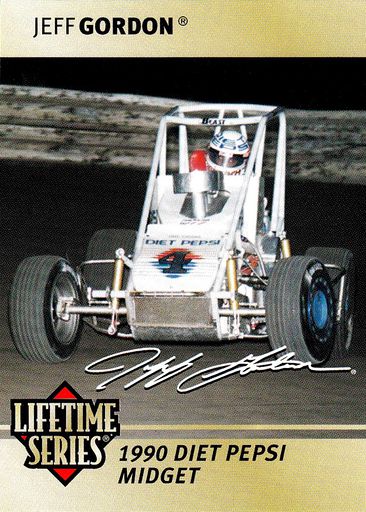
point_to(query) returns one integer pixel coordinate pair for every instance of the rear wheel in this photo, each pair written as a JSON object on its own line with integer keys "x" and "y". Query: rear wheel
{"x": 300, "y": 308}
{"x": 103, "y": 245}
{"x": 37, "y": 330}
{"x": 342, "y": 258}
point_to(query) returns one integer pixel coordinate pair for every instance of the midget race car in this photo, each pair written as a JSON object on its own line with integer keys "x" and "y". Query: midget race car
{"x": 210, "y": 261}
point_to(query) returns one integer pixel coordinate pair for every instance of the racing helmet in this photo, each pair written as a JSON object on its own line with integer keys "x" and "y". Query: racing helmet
{"x": 228, "y": 152}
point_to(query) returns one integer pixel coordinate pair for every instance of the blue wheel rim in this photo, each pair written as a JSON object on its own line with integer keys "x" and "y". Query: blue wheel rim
{"x": 319, "y": 309}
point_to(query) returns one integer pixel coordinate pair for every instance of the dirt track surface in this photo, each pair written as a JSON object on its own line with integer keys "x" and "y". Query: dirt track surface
{"x": 56, "y": 210}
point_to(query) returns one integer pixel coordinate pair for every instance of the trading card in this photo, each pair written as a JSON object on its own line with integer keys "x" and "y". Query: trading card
{"x": 181, "y": 272}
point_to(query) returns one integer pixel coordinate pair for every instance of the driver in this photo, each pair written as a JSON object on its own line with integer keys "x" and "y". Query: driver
{"x": 228, "y": 152}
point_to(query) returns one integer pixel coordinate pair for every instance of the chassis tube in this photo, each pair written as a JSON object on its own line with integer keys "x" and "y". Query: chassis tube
{"x": 93, "y": 310}
{"x": 278, "y": 204}
{"x": 243, "y": 312}
{"x": 340, "y": 298}
{"x": 106, "y": 310}
{"x": 226, "y": 106}
{"x": 150, "y": 188}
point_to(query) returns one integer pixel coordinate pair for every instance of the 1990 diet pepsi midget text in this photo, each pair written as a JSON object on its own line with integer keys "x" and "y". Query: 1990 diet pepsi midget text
{"x": 144, "y": 461}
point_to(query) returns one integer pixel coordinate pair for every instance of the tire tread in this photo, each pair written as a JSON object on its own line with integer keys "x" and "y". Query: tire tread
{"x": 283, "y": 317}
{"x": 26, "y": 304}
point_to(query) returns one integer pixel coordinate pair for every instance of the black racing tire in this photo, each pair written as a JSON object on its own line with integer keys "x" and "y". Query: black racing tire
{"x": 38, "y": 333}
{"x": 344, "y": 329}
{"x": 300, "y": 309}
{"x": 103, "y": 245}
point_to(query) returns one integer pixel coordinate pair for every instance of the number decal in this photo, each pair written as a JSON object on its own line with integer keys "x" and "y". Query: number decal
{"x": 174, "y": 262}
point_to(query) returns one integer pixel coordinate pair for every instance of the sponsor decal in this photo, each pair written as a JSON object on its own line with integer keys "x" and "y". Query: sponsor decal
{"x": 194, "y": 242}
{"x": 64, "y": 433}
{"x": 213, "y": 121}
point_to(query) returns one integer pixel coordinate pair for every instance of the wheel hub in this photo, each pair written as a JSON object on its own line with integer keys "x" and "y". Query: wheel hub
{"x": 319, "y": 309}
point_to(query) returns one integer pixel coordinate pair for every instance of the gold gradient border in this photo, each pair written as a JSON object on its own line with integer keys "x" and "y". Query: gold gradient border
{"x": 317, "y": 474}
{"x": 216, "y": 28}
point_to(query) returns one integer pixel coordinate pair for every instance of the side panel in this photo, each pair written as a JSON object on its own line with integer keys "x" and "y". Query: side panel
{"x": 181, "y": 264}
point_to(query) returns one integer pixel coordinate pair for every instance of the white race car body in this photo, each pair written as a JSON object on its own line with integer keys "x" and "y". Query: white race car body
{"x": 192, "y": 223}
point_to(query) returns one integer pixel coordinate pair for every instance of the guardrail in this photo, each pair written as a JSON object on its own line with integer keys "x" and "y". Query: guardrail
{"x": 52, "y": 125}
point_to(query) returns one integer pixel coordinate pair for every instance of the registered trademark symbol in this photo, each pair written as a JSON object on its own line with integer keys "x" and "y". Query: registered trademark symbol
{"x": 353, "y": 372}
{"x": 183, "y": 21}
{"x": 105, "y": 439}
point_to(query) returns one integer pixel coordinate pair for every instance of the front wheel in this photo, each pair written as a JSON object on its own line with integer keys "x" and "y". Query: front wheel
{"x": 300, "y": 308}
{"x": 344, "y": 289}
{"x": 38, "y": 332}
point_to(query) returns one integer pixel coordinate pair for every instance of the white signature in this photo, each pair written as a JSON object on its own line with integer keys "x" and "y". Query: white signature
{"x": 159, "y": 372}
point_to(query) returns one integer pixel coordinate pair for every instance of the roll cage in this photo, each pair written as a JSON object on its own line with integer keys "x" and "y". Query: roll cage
{"x": 217, "y": 117}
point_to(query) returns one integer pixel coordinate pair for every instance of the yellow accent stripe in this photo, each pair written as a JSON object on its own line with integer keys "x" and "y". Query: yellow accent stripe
{"x": 233, "y": 427}
{"x": 243, "y": 427}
